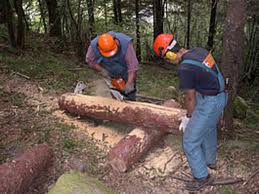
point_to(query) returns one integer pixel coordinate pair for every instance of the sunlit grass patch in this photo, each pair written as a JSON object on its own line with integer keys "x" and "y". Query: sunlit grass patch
{"x": 157, "y": 81}
{"x": 52, "y": 71}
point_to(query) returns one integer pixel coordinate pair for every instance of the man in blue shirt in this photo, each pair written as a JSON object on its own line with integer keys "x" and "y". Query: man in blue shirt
{"x": 205, "y": 98}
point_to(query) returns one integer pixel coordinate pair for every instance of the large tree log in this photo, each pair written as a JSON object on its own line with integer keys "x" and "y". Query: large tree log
{"x": 138, "y": 113}
{"x": 16, "y": 176}
{"x": 132, "y": 147}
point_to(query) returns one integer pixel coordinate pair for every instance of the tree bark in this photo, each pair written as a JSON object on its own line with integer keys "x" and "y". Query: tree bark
{"x": 9, "y": 19}
{"x": 105, "y": 14}
{"x": 42, "y": 14}
{"x": 54, "y": 18}
{"x": 188, "y": 24}
{"x": 20, "y": 24}
{"x": 116, "y": 21}
{"x": 77, "y": 29}
{"x": 90, "y": 7}
{"x": 138, "y": 49}
{"x": 119, "y": 11}
{"x": 130, "y": 149}
{"x": 232, "y": 60}
{"x": 137, "y": 113}
{"x": 17, "y": 175}
{"x": 250, "y": 72}
{"x": 158, "y": 15}
{"x": 212, "y": 27}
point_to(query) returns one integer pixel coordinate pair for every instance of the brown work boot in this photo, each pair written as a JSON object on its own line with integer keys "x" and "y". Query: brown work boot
{"x": 212, "y": 166}
{"x": 197, "y": 184}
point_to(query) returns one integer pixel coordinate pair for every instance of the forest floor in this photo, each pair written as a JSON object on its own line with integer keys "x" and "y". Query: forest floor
{"x": 29, "y": 115}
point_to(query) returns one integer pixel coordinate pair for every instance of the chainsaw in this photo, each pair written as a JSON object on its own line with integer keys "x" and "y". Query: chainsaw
{"x": 116, "y": 86}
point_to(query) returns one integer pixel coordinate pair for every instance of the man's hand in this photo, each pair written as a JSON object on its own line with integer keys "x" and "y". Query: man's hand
{"x": 184, "y": 121}
{"x": 105, "y": 73}
{"x": 128, "y": 88}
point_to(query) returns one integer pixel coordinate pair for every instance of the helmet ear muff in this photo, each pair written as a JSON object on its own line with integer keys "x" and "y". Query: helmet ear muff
{"x": 171, "y": 56}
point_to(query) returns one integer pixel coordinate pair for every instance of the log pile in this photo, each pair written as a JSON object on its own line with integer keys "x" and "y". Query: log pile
{"x": 153, "y": 122}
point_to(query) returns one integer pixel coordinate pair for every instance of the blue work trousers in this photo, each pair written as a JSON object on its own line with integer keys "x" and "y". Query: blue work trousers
{"x": 200, "y": 136}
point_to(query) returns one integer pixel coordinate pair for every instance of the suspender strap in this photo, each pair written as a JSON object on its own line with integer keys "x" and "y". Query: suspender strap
{"x": 199, "y": 64}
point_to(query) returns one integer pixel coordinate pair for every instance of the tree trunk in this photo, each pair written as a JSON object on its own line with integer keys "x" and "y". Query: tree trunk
{"x": 137, "y": 113}
{"x": 232, "y": 59}
{"x": 130, "y": 149}
{"x": 158, "y": 17}
{"x": 80, "y": 45}
{"x": 116, "y": 21}
{"x": 27, "y": 24}
{"x": 212, "y": 27}
{"x": 250, "y": 68}
{"x": 188, "y": 24}
{"x": 119, "y": 11}
{"x": 20, "y": 24}
{"x": 9, "y": 19}
{"x": 138, "y": 49}
{"x": 105, "y": 14}
{"x": 2, "y": 12}
{"x": 54, "y": 18}
{"x": 90, "y": 7}
{"x": 42, "y": 14}
{"x": 77, "y": 29}
{"x": 17, "y": 175}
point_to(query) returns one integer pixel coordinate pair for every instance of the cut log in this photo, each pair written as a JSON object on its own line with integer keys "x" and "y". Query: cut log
{"x": 132, "y": 147}
{"x": 137, "y": 113}
{"x": 17, "y": 175}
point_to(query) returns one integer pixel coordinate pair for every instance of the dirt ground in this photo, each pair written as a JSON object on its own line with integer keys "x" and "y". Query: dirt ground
{"x": 29, "y": 115}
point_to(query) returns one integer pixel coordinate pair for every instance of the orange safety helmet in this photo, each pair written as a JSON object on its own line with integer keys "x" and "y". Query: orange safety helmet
{"x": 107, "y": 45}
{"x": 161, "y": 43}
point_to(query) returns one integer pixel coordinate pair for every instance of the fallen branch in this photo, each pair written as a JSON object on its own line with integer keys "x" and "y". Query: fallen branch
{"x": 251, "y": 176}
{"x": 22, "y": 75}
{"x": 214, "y": 183}
{"x": 227, "y": 181}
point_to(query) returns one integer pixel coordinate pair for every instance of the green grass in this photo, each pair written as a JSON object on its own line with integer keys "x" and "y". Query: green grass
{"x": 69, "y": 143}
{"x": 15, "y": 98}
{"x": 158, "y": 82}
{"x": 51, "y": 70}
{"x": 225, "y": 190}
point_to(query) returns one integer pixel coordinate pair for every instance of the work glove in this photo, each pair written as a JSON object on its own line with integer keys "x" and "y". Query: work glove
{"x": 128, "y": 88}
{"x": 80, "y": 87}
{"x": 105, "y": 73}
{"x": 184, "y": 122}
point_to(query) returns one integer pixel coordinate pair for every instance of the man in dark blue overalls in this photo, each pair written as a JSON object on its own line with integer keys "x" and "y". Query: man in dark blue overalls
{"x": 205, "y": 98}
{"x": 113, "y": 56}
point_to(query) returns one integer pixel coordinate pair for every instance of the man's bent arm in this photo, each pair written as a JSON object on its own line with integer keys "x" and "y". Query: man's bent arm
{"x": 90, "y": 59}
{"x": 131, "y": 77}
{"x": 190, "y": 101}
